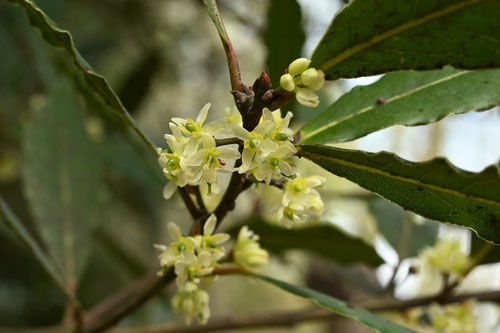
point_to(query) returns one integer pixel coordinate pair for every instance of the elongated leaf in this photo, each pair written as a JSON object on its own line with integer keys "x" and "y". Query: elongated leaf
{"x": 96, "y": 82}
{"x": 284, "y": 36}
{"x": 404, "y": 98}
{"x": 61, "y": 179}
{"x": 400, "y": 229}
{"x": 11, "y": 220}
{"x": 369, "y": 37}
{"x": 433, "y": 189}
{"x": 484, "y": 252}
{"x": 365, "y": 317}
{"x": 324, "y": 240}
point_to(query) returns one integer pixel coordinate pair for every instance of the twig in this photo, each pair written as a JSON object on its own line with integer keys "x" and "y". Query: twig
{"x": 228, "y": 141}
{"x": 195, "y": 213}
{"x": 293, "y": 318}
{"x": 125, "y": 301}
{"x": 199, "y": 199}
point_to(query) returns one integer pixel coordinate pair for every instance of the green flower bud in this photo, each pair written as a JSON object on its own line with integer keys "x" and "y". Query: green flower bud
{"x": 298, "y": 66}
{"x": 281, "y": 137}
{"x": 181, "y": 247}
{"x": 286, "y": 82}
{"x": 254, "y": 143}
{"x": 274, "y": 162}
{"x": 173, "y": 162}
{"x": 190, "y": 127}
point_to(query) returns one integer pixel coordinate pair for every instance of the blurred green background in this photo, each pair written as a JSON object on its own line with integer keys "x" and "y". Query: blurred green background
{"x": 164, "y": 60}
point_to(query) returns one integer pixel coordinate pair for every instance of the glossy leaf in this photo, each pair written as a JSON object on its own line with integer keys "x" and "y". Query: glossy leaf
{"x": 11, "y": 220}
{"x": 366, "y": 318}
{"x": 400, "y": 230}
{"x": 284, "y": 37}
{"x": 96, "y": 82}
{"x": 325, "y": 240}
{"x": 434, "y": 189}
{"x": 484, "y": 252}
{"x": 368, "y": 37}
{"x": 61, "y": 179}
{"x": 404, "y": 98}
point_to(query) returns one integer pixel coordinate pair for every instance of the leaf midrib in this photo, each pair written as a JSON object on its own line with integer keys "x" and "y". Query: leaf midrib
{"x": 401, "y": 178}
{"x": 394, "y": 31}
{"x": 389, "y": 100}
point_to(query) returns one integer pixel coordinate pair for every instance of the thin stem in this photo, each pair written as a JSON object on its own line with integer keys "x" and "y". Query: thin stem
{"x": 199, "y": 200}
{"x": 195, "y": 213}
{"x": 293, "y": 318}
{"x": 228, "y": 141}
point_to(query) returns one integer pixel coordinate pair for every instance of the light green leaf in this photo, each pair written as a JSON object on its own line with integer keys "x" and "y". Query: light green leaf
{"x": 96, "y": 82}
{"x": 11, "y": 220}
{"x": 368, "y": 37}
{"x": 434, "y": 189}
{"x": 213, "y": 12}
{"x": 404, "y": 98}
{"x": 400, "y": 230}
{"x": 61, "y": 179}
{"x": 365, "y": 317}
{"x": 324, "y": 240}
{"x": 284, "y": 37}
{"x": 483, "y": 252}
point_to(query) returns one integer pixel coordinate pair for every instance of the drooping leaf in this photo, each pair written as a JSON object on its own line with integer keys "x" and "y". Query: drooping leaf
{"x": 404, "y": 98}
{"x": 400, "y": 229}
{"x": 325, "y": 240}
{"x": 96, "y": 82}
{"x": 484, "y": 252}
{"x": 433, "y": 189}
{"x": 11, "y": 220}
{"x": 366, "y": 318}
{"x": 61, "y": 179}
{"x": 368, "y": 37}
{"x": 284, "y": 37}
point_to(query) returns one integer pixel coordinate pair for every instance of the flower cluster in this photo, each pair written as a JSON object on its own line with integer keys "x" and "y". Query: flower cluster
{"x": 268, "y": 149}
{"x": 300, "y": 199}
{"x": 194, "y": 257}
{"x": 446, "y": 256}
{"x": 303, "y": 80}
{"x": 192, "y": 157}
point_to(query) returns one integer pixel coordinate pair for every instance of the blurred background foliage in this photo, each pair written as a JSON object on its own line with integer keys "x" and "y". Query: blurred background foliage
{"x": 164, "y": 59}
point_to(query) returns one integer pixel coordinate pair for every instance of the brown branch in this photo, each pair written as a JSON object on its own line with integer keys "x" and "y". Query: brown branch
{"x": 125, "y": 301}
{"x": 228, "y": 141}
{"x": 293, "y": 318}
{"x": 193, "y": 210}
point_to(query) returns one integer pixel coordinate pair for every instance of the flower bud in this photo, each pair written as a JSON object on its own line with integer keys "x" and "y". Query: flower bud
{"x": 306, "y": 97}
{"x": 298, "y": 66}
{"x": 286, "y": 82}
{"x": 313, "y": 78}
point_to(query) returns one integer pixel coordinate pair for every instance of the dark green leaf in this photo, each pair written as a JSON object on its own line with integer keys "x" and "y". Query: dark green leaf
{"x": 324, "y": 240}
{"x": 400, "y": 229}
{"x": 484, "y": 252}
{"x": 369, "y": 37}
{"x": 365, "y": 317}
{"x": 404, "y": 98}
{"x": 11, "y": 220}
{"x": 61, "y": 179}
{"x": 433, "y": 189}
{"x": 284, "y": 37}
{"x": 96, "y": 82}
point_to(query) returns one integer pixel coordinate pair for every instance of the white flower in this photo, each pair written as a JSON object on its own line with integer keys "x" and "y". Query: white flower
{"x": 247, "y": 252}
{"x": 446, "y": 256}
{"x": 209, "y": 159}
{"x": 300, "y": 199}
{"x": 210, "y": 242}
{"x": 193, "y": 266}
{"x": 275, "y": 164}
{"x": 194, "y": 128}
{"x": 180, "y": 249}
{"x": 192, "y": 302}
{"x": 302, "y": 80}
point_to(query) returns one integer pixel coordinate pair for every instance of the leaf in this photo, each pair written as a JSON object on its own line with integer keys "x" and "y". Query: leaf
{"x": 484, "y": 252}
{"x": 368, "y": 37}
{"x": 434, "y": 189}
{"x": 404, "y": 98}
{"x": 400, "y": 230}
{"x": 96, "y": 82}
{"x": 324, "y": 240}
{"x": 365, "y": 317}
{"x": 47, "y": 262}
{"x": 61, "y": 179}
{"x": 214, "y": 14}
{"x": 284, "y": 37}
